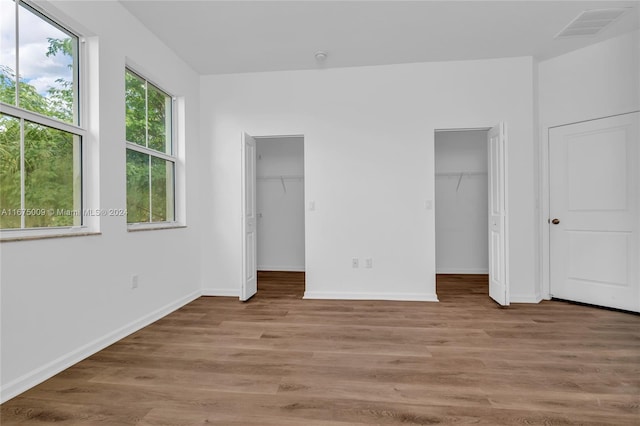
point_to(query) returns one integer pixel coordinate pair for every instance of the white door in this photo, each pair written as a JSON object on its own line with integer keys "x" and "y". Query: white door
{"x": 249, "y": 244}
{"x": 498, "y": 273}
{"x": 593, "y": 203}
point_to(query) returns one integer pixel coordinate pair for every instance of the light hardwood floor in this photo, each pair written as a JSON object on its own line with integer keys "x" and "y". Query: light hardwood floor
{"x": 280, "y": 360}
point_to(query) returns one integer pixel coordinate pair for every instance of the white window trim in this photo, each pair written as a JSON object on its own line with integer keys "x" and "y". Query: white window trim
{"x": 173, "y": 157}
{"x": 90, "y": 225}
{"x": 42, "y": 119}
{"x": 175, "y": 223}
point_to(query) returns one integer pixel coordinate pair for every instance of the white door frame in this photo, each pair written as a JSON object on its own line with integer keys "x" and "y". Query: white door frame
{"x": 545, "y": 204}
{"x": 243, "y": 207}
{"x": 506, "y": 195}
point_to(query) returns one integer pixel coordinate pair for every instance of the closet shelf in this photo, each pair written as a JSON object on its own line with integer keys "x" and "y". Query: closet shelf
{"x": 457, "y": 174}
{"x": 283, "y": 177}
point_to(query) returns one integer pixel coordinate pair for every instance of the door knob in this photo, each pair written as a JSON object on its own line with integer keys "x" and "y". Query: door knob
{"x": 555, "y": 221}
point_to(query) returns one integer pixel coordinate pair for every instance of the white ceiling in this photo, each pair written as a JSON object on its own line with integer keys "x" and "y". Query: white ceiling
{"x": 217, "y": 37}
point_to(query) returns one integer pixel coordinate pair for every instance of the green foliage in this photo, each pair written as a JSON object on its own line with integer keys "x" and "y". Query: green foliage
{"x": 52, "y": 161}
{"x": 9, "y": 170}
{"x": 161, "y": 190}
{"x": 149, "y": 201}
{"x": 149, "y": 178}
{"x": 49, "y": 175}
{"x": 64, "y": 47}
{"x": 51, "y": 157}
{"x": 138, "y": 207}
{"x": 7, "y": 85}
{"x": 59, "y": 100}
{"x": 135, "y": 103}
{"x": 158, "y": 105}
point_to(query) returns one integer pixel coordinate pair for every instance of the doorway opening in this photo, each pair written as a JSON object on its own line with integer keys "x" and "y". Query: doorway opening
{"x": 470, "y": 211}
{"x": 280, "y": 207}
{"x": 277, "y": 243}
{"x": 461, "y": 210}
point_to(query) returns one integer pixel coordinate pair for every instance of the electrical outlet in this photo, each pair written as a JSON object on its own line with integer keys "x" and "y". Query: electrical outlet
{"x": 368, "y": 263}
{"x": 355, "y": 263}
{"x": 134, "y": 282}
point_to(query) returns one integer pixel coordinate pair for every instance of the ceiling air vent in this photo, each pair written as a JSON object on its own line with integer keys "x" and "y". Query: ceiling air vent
{"x": 590, "y": 23}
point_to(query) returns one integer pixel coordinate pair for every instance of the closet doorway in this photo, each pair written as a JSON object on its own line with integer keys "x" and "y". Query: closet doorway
{"x": 461, "y": 206}
{"x": 470, "y": 208}
{"x": 280, "y": 214}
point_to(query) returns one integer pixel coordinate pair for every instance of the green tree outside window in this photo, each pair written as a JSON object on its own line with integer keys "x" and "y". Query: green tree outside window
{"x": 150, "y": 164}
{"x": 40, "y": 165}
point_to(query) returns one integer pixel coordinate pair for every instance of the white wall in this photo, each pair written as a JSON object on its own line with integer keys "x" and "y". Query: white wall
{"x": 461, "y": 202}
{"x": 369, "y": 167}
{"x": 64, "y": 298}
{"x": 594, "y": 82}
{"x": 280, "y": 204}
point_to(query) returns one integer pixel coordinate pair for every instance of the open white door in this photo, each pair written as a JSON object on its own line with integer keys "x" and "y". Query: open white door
{"x": 594, "y": 191}
{"x": 498, "y": 272}
{"x": 249, "y": 247}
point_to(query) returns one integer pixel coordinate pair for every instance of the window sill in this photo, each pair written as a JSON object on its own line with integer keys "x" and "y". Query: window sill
{"x": 11, "y": 239}
{"x": 153, "y": 227}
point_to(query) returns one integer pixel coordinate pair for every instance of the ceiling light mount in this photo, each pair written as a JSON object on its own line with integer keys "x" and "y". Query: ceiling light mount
{"x": 321, "y": 56}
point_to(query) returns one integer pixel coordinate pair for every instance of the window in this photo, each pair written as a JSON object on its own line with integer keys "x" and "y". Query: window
{"x": 41, "y": 138}
{"x": 150, "y": 152}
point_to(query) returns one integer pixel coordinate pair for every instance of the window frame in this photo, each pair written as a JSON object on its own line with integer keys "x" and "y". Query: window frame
{"x": 152, "y": 153}
{"x": 88, "y": 224}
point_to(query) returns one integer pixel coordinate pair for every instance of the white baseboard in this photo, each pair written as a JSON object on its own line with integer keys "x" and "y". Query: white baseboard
{"x": 407, "y": 297}
{"x": 525, "y": 298}
{"x": 224, "y": 292}
{"x": 39, "y": 375}
{"x": 462, "y": 271}
{"x": 281, "y": 268}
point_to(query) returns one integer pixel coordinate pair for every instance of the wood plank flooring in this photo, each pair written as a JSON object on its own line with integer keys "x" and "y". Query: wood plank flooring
{"x": 280, "y": 360}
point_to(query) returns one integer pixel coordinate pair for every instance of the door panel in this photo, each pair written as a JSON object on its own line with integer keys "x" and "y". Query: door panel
{"x": 498, "y": 277}
{"x": 593, "y": 178}
{"x": 249, "y": 257}
{"x": 597, "y": 173}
